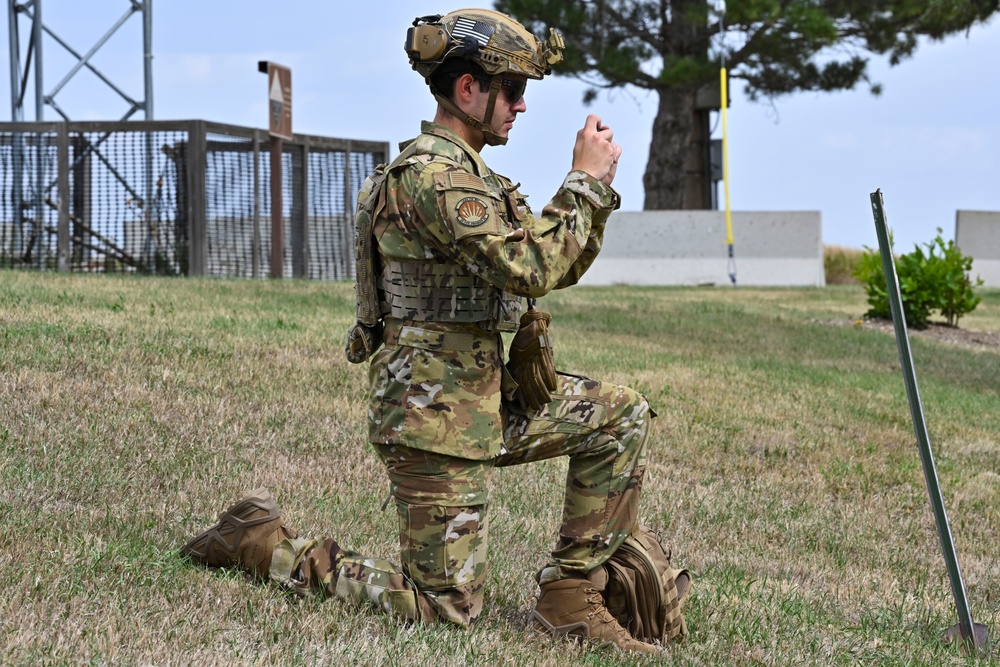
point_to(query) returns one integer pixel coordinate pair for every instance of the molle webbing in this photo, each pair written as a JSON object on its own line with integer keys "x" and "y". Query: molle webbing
{"x": 432, "y": 292}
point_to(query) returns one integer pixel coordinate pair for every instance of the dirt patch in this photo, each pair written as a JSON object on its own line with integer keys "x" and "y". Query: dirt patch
{"x": 979, "y": 340}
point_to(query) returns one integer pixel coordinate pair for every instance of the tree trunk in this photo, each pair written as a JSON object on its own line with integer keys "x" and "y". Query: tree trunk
{"x": 666, "y": 177}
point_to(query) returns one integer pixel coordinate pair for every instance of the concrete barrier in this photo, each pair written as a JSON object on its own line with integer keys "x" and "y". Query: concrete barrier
{"x": 773, "y": 248}
{"x": 977, "y": 234}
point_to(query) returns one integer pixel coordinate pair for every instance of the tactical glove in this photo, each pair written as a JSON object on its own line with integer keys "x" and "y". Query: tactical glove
{"x": 362, "y": 342}
{"x": 531, "y": 362}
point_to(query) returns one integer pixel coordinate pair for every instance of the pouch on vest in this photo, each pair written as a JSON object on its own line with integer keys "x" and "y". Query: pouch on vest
{"x": 365, "y": 336}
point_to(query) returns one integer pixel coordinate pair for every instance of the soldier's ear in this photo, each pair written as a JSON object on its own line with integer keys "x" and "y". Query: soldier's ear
{"x": 466, "y": 88}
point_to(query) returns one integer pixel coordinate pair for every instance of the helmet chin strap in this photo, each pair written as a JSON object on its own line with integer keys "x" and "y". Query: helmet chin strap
{"x": 491, "y": 138}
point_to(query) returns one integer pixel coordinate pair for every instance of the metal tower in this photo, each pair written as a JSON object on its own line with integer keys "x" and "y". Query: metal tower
{"x": 30, "y": 191}
{"x": 19, "y": 76}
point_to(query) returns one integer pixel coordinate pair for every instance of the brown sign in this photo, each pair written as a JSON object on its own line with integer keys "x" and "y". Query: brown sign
{"x": 279, "y": 98}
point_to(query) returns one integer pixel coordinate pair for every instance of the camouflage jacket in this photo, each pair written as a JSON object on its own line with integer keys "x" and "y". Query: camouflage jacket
{"x": 439, "y": 386}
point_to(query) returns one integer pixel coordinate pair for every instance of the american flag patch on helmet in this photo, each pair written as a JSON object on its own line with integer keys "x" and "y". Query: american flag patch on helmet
{"x": 477, "y": 30}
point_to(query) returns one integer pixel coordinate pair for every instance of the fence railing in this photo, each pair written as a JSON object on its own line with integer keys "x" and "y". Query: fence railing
{"x": 176, "y": 198}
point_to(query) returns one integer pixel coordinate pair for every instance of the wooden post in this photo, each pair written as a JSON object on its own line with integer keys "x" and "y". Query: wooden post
{"x": 62, "y": 227}
{"x": 277, "y": 235}
{"x": 279, "y": 97}
{"x": 198, "y": 229}
{"x": 81, "y": 198}
{"x": 255, "y": 242}
{"x": 347, "y": 256}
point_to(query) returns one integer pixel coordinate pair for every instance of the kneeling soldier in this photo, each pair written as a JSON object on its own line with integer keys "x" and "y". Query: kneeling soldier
{"x": 446, "y": 251}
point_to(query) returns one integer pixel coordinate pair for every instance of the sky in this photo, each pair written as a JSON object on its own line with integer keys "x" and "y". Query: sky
{"x": 929, "y": 142}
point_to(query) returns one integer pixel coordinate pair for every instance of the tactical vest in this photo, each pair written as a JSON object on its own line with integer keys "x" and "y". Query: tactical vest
{"x": 437, "y": 292}
{"x": 423, "y": 291}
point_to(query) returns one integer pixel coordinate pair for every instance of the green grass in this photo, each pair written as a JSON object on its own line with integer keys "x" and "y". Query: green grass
{"x": 783, "y": 471}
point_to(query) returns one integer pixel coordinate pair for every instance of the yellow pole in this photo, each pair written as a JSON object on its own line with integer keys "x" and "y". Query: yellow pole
{"x": 725, "y": 177}
{"x": 725, "y": 158}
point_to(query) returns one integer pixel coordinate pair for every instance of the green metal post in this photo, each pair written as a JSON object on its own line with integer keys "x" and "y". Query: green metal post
{"x": 975, "y": 634}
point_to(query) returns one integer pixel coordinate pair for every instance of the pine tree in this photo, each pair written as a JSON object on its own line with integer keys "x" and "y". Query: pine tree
{"x": 776, "y": 47}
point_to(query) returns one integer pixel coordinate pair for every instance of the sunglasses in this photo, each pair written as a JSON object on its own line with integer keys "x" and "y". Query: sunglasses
{"x": 514, "y": 90}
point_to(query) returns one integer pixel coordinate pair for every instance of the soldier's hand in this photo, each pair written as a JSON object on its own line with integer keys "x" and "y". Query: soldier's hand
{"x": 595, "y": 151}
{"x": 614, "y": 165}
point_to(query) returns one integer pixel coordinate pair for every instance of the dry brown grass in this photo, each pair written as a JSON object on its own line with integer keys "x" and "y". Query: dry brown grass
{"x": 783, "y": 470}
{"x": 839, "y": 263}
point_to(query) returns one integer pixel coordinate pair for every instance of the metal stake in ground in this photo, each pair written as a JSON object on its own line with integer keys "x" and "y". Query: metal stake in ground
{"x": 974, "y": 634}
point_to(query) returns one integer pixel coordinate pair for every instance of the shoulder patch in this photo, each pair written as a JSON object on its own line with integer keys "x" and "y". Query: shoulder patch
{"x": 472, "y": 211}
{"x": 467, "y": 204}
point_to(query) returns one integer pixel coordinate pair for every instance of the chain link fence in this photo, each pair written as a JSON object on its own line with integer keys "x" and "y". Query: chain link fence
{"x": 176, "y": 198}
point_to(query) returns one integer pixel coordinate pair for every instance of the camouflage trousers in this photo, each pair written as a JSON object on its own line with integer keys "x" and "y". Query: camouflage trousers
{"x": 442, "y": 506}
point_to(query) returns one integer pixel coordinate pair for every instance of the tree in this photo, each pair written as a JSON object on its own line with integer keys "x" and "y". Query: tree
{"x": 777, "y": 47}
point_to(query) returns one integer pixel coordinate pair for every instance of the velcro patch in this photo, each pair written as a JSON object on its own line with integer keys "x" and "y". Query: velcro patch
{"x": 467, "y": 204}
{"x": 466, "y": 181}
{"x": 472, "y": 211}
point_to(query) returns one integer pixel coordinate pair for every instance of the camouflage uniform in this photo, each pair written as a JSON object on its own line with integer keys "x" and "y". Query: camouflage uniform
{"x": 440, "y": 416}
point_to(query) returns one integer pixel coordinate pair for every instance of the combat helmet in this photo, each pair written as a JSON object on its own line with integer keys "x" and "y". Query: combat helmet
{"x": 493, "y": 41}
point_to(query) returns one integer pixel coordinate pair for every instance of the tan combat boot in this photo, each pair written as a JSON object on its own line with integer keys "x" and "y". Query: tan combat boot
{"x": 245, "y": 536}
{"x": 574, "y": 608}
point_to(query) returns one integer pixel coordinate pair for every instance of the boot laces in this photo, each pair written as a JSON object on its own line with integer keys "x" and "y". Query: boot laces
{"x": 596, "y": 600}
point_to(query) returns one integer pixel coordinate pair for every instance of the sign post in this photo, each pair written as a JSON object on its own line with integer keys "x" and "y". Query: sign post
{"x": 279, "y": 95}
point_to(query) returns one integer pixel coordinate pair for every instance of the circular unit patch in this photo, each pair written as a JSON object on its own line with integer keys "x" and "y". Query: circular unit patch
{"x": 472, "y": 211}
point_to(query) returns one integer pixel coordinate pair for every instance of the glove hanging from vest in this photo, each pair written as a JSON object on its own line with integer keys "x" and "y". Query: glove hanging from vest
{"x": 362, "y": 341}
{"x": 531, "y": 360}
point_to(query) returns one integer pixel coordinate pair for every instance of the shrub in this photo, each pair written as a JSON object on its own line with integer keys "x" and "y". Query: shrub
{"x": 937, "y": 279}
{"x": 839, "y": 264}
{"x": 955, "y": 295}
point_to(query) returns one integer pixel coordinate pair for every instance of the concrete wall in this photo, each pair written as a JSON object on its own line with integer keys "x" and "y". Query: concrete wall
{"x": 782, "y": 248}
{"x": 977, "y": 234}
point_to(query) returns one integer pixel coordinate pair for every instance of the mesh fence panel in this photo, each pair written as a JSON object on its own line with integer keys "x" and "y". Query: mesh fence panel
{"x": 330, "y": 254}
{"x": 111, "y": 229}
{"x": 229, "y": 205}
{"x": 177, "y": 198}
{"x": 28, "y": 161}
{"x": 116, "y": 226}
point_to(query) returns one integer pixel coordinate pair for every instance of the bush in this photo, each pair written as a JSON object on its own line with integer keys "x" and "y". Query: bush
{"x": 937, "y": 279}
{"x": 839, "y": 264}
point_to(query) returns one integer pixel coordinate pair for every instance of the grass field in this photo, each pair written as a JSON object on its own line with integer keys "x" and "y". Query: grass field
{"x": 783, "y": 472}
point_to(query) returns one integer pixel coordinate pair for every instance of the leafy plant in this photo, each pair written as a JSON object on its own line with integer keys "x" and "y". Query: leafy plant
{"x": 956, "y": 297}
{"x": 937, "y": 279}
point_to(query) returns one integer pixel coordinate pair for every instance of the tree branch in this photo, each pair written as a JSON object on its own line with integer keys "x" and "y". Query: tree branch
{"x": 635, "y": 30}
{"x": 749, "y": 47}
{"x": 640, "y": 79}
